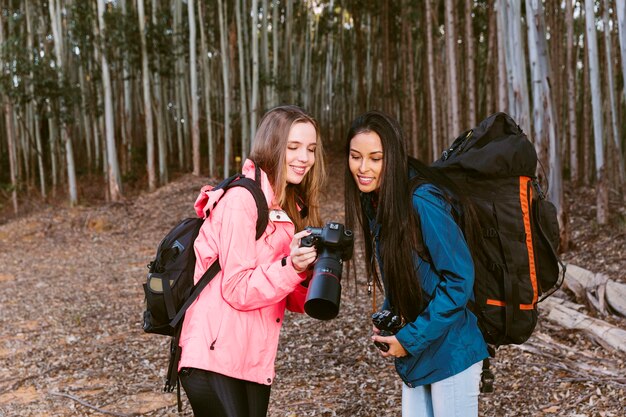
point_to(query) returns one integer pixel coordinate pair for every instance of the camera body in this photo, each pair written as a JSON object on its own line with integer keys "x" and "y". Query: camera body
{"x": 334, "y": 244}
{"x": 388, "y": 324}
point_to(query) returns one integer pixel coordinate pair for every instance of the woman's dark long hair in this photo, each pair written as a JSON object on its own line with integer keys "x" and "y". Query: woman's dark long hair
{"x": 400, "y": 231}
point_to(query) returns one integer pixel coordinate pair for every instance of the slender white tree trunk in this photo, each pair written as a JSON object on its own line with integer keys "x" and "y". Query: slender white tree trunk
{"x": 33, "y": 106}
{"x": 596, "y": 105}
{"x": 432, "y": 94}
{"x": 451, "y": 70}
{"x": 243, "y": 96}
{"x": 10, "y": 133}
{"x": 543, "y": 114}
{"x": 275, "y": 41}
{"x": 609, "y": 74}
{"x": 206, "y": 71}
{"x": 621, "y": 23}
{"x": 158, "y": 110}
{"x": 225, "y": 77}
{"x": 193, "y": 75}
{"x": 471, "y": 79}
{"x": 54, "y": 7}
{"x": 127, "y": 136}
{"x": 147, "y": 97}
{"x": 571, "y": 93}
{"x": 510, "y": 21}
{"x": 113, "y": 170}
{"x": 254, "y": 101}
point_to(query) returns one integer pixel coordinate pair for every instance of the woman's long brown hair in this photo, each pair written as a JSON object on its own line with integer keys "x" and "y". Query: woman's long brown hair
{"x": 300, "y": 201}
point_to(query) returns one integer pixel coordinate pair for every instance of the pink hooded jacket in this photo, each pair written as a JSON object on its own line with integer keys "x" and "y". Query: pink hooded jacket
{"x": 233, "y": 326}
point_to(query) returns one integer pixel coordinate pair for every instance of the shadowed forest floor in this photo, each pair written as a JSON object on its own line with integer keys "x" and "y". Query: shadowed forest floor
{"x": 72, "y": 344}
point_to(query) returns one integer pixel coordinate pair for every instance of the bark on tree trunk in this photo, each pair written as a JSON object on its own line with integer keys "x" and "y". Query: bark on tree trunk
{"x": 471, "y": 79}
{"x": 602, "y": 199}
{"x": 571, "y": 93}
{"x": 451, "y": 70}
{"x": 225, "y": 78}
{"x": 147, "y": 100}
{"x": 193, "y": 78}
{"x": 113, "y": 170}
{"x": 432, "y": 95}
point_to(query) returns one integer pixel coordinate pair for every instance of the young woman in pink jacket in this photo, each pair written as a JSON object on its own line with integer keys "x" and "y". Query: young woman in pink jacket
{"x": 230, "y": 334}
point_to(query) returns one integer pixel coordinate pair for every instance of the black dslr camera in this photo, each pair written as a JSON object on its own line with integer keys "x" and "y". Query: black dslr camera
{"x": 388, "y": 324}
{"x": 334, "y": 244}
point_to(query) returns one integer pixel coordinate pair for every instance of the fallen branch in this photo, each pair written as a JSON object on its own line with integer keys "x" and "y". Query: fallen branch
{"x": 605, "y": 334}
{"x": 93, "y": 407}
{"x": 600, "y": 291}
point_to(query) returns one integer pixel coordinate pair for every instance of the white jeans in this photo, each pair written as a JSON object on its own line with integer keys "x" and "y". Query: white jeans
{"x": 456, "y": 396}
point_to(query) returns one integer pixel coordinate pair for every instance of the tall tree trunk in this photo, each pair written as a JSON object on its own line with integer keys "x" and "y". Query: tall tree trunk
{"x": 243, "y": 92}
{"x": 54, "y": 7}
{"x": 571, "y": 93}
{"x": 509, "y": 19}
{"x": 543, "y": 109}
{"x": 432, "y": 94}
{"x": 469, "y": 50}
{"x": 193, "y": 75}
{"x": 147, "y": 97}
{"x": 596, "y": 104}
{"x": 451, "y": 70}
{"x": 621, "y": 23}
{"x": 206, "y": 71}
{"x": 113, "y": 170}
{"x": 225, "y": 78}
{"x": 158, "y": 109}
{"x": 33, "y": 105}
{"x": 127, "y": 120}
{"x": 618, "y": 155}
{"x": 254, "y": 101}
{"x": 10, "y": 132}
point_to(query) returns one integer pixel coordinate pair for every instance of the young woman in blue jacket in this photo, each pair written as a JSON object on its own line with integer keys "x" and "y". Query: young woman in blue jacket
{"x": 406, "y": 212}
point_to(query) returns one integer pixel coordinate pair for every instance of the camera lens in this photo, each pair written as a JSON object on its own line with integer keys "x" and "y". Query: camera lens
{"x": 322, "y": 301}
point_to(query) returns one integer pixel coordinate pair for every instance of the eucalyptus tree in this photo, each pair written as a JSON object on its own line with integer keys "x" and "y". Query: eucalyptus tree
{"x": 8, "y": 117}
{"x": 206, "y": 76}
{"x": 570, "y": 65}
{"x": 546, "y": 140}
{"x": 147, "y": 97}
{"x": 602, "y": 200}
{"x": 618, "y": 155}
{"x": 254, "y": 39}
{"x": 59, "y": 51}
{"x": 193, "y": 75}
{"x": 470, "y": 64}
{"x": 451, "y": 68}
{"x": 509, "y": 29}
{"x": 113, "y": 170}
{"x": 222, "y": 13}
{"x": 621, "y": 23}
{"x": 432, "y": 94}
{"x": 243, "y": 92}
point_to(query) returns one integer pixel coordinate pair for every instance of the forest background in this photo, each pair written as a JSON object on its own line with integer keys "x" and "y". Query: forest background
{"x": 102, "y": 99}
{"x": 115, "y": 113}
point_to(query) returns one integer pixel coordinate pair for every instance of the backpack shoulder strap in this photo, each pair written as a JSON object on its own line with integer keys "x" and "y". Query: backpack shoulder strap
{"x": 254, "y": 187}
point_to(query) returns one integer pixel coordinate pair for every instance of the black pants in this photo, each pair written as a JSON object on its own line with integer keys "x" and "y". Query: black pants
{"x": 216, "y": 395}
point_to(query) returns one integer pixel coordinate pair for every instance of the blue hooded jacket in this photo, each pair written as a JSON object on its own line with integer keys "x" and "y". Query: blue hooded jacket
{"x": 444, "y": 339}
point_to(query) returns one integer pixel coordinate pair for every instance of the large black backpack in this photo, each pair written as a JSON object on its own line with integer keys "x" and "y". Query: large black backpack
{"x": 170, "y": 289}
{"x": 517, "y": 264}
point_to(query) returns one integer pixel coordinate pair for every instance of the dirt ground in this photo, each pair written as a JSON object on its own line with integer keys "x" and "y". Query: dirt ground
{"x": 71, "y": 302}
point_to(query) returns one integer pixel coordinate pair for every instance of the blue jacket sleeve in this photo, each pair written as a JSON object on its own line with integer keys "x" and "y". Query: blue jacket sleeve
{"x": 448, "y": 280}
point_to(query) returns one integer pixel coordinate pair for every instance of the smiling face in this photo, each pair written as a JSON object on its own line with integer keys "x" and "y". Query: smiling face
{"x": 366, "y": 161}
{"x": 300, "y": 154}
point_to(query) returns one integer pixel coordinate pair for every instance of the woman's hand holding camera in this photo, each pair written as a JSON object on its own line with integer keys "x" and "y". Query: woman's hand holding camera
{"x": 395, "y": 348}
{"x": 301, "y": 256}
